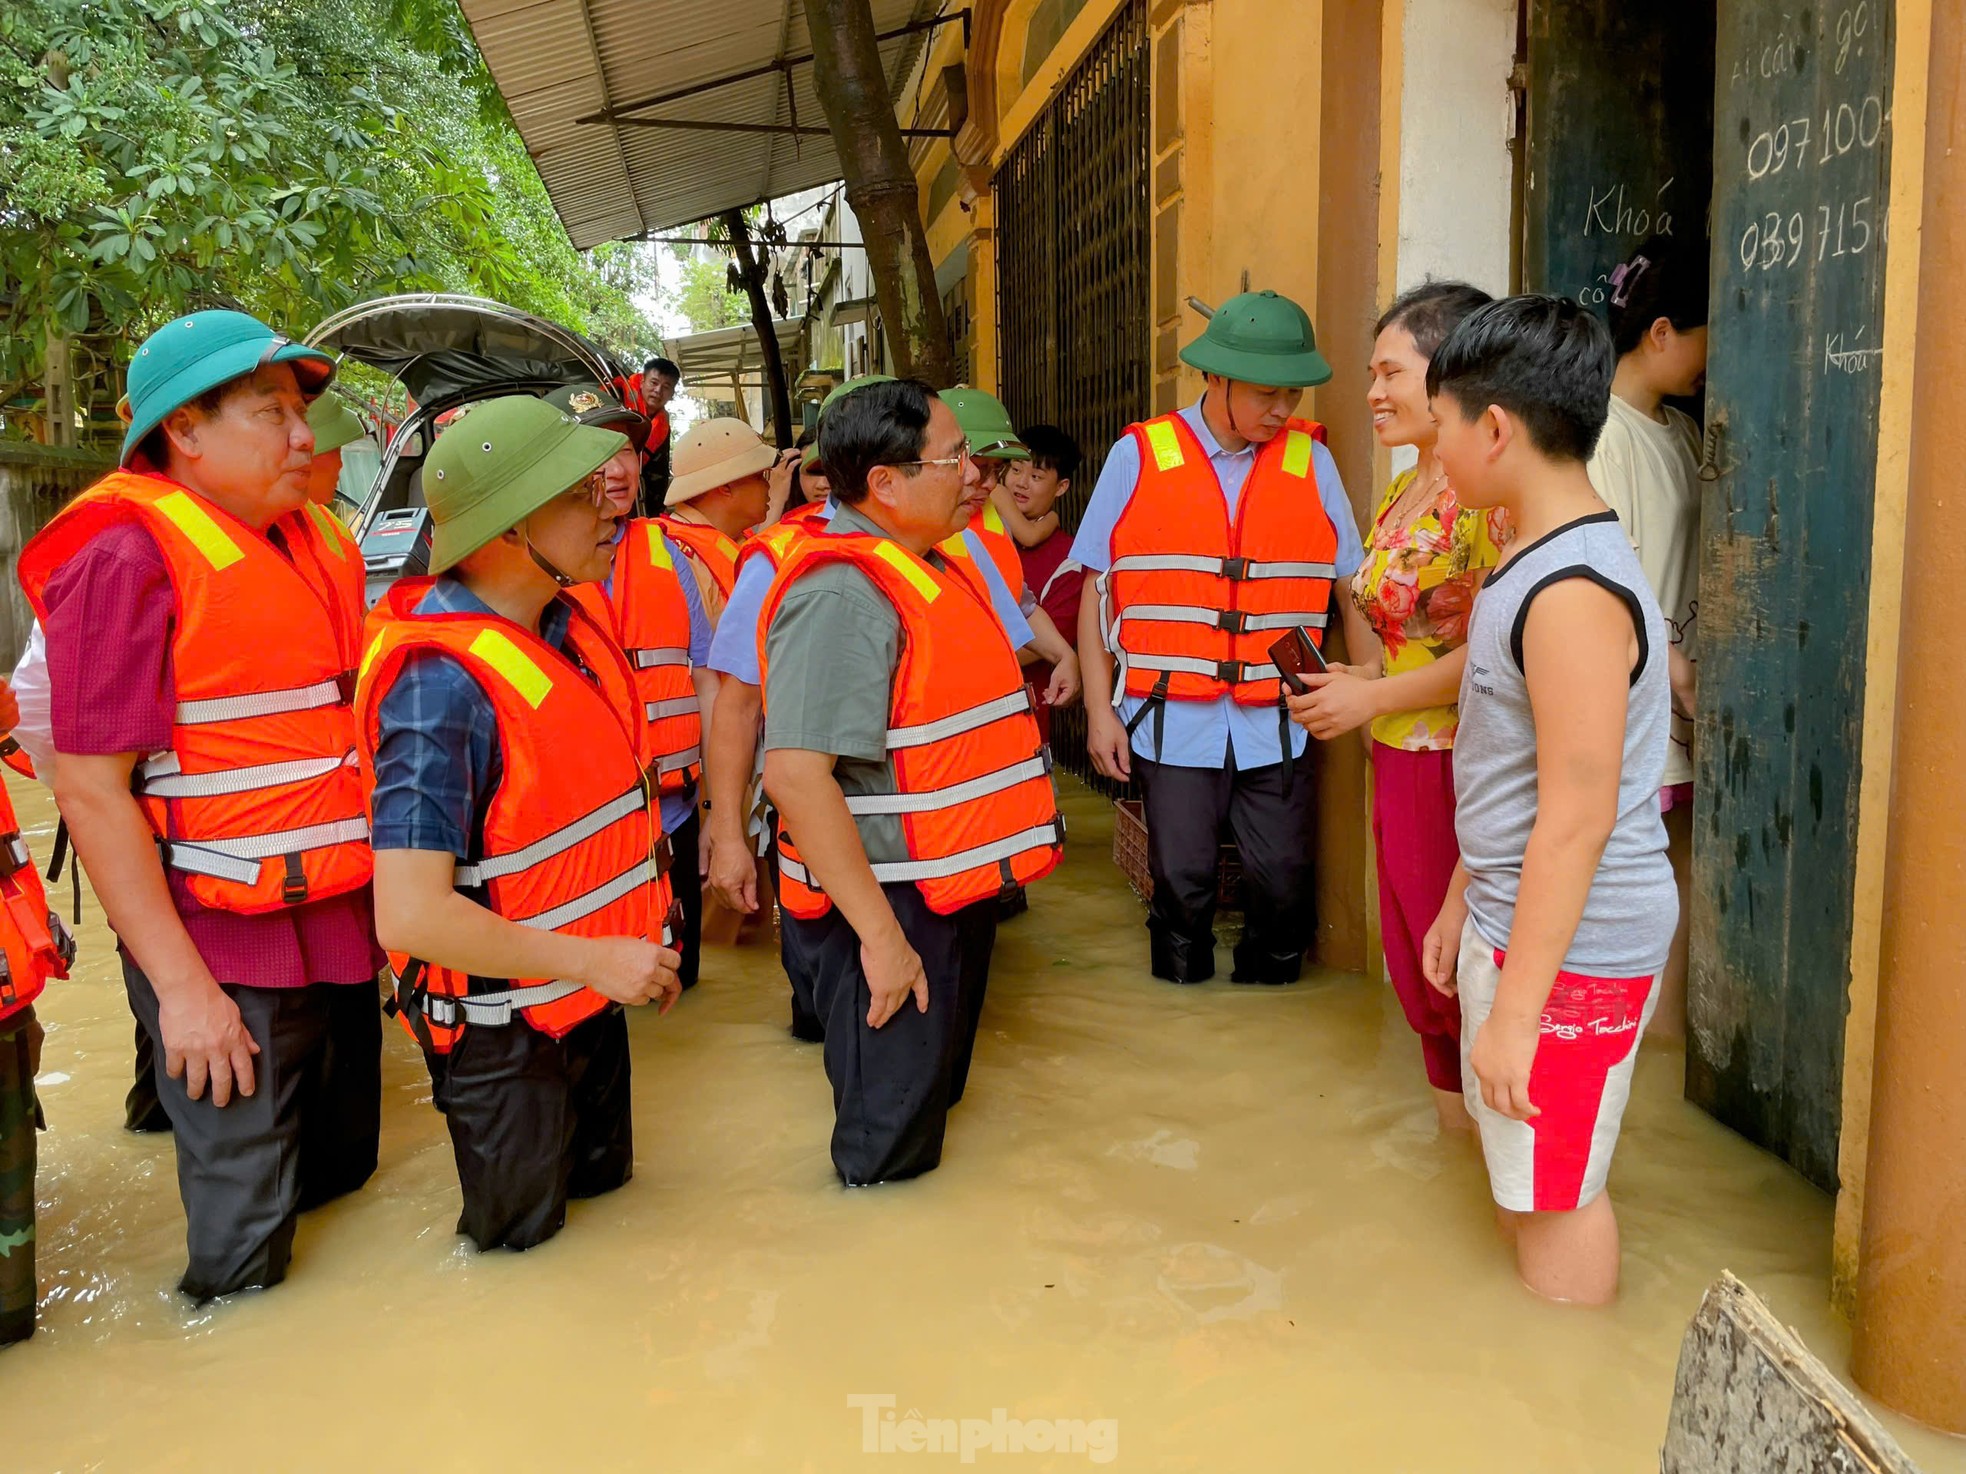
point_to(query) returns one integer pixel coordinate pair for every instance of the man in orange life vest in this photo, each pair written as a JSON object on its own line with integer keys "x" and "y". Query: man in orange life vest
{"x": 520, "y": 865}
{"x": 34, "y": 946}
{"x": 205, "y": 763}
{"x": 655, "y": 386}
{"x": 1209, "y": 534}
{"x": 904, "y": 760}
{"x": 726, "y": 481}
{"x": 652, "y": 606}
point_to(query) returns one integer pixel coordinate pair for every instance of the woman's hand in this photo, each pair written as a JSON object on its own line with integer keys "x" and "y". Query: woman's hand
{"x": 1338, "y": 701}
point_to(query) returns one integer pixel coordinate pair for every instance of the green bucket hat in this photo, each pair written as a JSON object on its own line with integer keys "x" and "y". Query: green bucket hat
{"x": 497, "y": 464}
{"x": 201, "y": 351}
{"x": 811, "y": 457}
{"x": 987, "y": 424}
{"x": 593, "y": 404}
{"x": 334, "y": 424}
{"x": 1260, "y": 338}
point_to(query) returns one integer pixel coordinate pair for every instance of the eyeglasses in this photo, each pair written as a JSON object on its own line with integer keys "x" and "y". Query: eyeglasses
{"x": 591, "y": 490}
{"x": 963, "y": 453}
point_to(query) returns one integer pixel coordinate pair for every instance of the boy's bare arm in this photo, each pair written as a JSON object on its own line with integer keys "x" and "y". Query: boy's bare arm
{"x": 1578, "y": 648}
{"x": 1026, "y": 532}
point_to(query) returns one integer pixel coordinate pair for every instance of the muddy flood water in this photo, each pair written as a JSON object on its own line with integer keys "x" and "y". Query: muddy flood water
{"x": 1199, "y": 1229}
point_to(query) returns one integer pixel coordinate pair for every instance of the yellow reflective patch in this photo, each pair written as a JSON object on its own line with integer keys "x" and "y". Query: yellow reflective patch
{"x": 992, "y": 518}
{"x": 368, "y": 657}
{"x": 659, "y": 546}
{"x": 908, "y": 568}
{"x": 955, "y": 547}
{"x": 525, "y": 677}
{"x": 1165, "y": 444}
{"x": 330, "y": 528}
{"x": 1296, "y": 453}
{"x": 196, "y": 523}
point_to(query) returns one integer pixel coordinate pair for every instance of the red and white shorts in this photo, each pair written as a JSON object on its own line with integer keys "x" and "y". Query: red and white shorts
{"x": 1579, "y": 1082}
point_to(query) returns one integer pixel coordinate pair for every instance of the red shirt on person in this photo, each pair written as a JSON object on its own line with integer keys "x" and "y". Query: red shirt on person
{"x": 1057, "y": 581}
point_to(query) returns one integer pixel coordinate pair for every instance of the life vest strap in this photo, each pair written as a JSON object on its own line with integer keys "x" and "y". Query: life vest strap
{"x": 1236, "y": 570}
{"x": 604, "y": 894}
{"x": 1235, "y": 672}
{"x": 955, "y": 724}
{"x": 162, "y": 777}
{"x": 1043, "y": 836}
{"x": 14, "y": 854}
{"x": 1234, "y": 621}
{"x": 470, "y": 877}
{"x": 649, "y": 658}
{"x": 932, "y": 799}
{"x": 493, "y": 1009}
{"x": 336, "y": 691}
{"x": 681, "y": 706}
{"x": 676, "y": 762}
{"x": 238, "y": 859}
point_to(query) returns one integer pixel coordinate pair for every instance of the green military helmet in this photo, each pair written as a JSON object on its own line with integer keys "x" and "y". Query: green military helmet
{"x": 1260, "y": 338}
{"x": 334, "y": 424}
{"x": 987, "y": 424}
{"x": 811, "y": 457}
{"x": 498, "y": 463}
{"x": 593, "y": 404}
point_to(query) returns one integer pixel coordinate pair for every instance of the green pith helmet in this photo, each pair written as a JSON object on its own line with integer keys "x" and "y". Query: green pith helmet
{"x": 592, "y": 404}
{"x": 334, "y": 424}
{"x": 201, "y": 351}
{"x": 498, "y": 463}
{"x": 987, "y": 424}
{"x": 811, "y": 458}
{"x": 1260, "y": 338}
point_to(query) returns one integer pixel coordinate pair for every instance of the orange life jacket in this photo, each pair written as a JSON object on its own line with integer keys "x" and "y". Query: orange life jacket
{"x": 989, "y": 528}
{"x": 974, "y": 781}
{"x": 34, "y": 945}
{"x": 806, "y": 515}
{"x": 645, "y": 609}
{"x": 1193, "y": 601}
{"x": 572, "y": 838}
{"x": 713, "y": 549}
{"x": 15, "y": 756}
{"x": 774, "y": 542}
{"x": 258, "y": 800}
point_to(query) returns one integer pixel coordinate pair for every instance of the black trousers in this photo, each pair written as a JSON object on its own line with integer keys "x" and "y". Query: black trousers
{"x": 807, "y": 1026}
{"x": 306, "y": 1135}
{"x": 20, "y": 1118}
{"x": 976, "y": 940}
{"x": 142, "y": 1110}
{"x": 1188, "y": 810}
{"x": 892, "y": 1086}
{"x": 686, "y": 880}
{"x": 535, "y": 1121}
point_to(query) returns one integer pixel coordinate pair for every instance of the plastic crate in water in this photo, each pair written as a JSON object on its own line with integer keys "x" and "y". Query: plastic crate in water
{"x": 1130, "y": 854}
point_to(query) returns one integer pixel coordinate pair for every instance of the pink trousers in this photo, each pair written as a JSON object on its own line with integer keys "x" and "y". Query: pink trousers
{"x": 1413, "y": 829}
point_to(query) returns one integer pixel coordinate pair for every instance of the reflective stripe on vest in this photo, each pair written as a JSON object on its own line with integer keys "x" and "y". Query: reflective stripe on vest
{"x": 681, "y": 706}
{"x": 470, "y": 877}
{"x": 261, "y": 704}
{"x": 238, "y": 859}
{"x": 651, "y": 659}
{"x": 913, "y": 871}
{"x": 1238, "y": 570}
{"x": 1233, "y": 620}
{"x": 955, "y": 724}
{"x": 163, "y": 778}
{"x": 922, "y": 802}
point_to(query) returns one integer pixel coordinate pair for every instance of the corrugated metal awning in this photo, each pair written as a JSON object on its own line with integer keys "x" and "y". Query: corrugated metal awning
{"x": 557, "y": 62}
{"x": 720, "y": 352}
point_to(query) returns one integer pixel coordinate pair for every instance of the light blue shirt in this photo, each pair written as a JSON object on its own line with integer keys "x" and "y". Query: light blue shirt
{"x": 1202, "y": 734}
{"x": 734, "y": 650}
{"x": 677, "y": 807}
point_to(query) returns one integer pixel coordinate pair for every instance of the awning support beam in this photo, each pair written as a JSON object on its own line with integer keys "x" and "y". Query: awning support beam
{"x": 783, "y": 64}
{"x": 705, "y": 125}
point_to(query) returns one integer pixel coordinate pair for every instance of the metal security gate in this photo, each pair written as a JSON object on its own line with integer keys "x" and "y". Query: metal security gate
{"x": 1073, "y": 236}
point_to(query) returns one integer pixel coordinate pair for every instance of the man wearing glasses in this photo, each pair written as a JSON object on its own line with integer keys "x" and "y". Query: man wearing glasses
{"x": 903, "y": 757}
{"x": 519, "y": 845}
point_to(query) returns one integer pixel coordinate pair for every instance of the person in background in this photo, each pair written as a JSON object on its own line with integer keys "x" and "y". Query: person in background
{"x": 1425, "y": 558}
{"x": 1034, "y": 488}
{"x": 1561, "y": 912}
{"x": 658, "y": 382}
{"x": 335, "y": 427}
{"x": 34, "y": 947}
{"x": 650, "y": 603}
{"x": 900, "y": 751}
{"x": 726, "y": 479}
{"x": 1210, "y": 534}
{"x": 205, "y": 769}
{"x": 520, "y": 883}
{"x": 1647, "y": 469}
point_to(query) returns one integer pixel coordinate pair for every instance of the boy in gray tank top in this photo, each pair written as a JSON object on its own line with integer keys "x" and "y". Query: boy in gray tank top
{"x": 1562, "y": 912}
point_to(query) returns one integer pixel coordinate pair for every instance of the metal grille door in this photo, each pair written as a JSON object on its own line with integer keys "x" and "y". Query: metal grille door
{"x": 1073, "y": 238}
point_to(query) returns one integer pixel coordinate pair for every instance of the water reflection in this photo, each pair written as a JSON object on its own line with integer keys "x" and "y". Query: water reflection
{"x": 1218, "y": 1215}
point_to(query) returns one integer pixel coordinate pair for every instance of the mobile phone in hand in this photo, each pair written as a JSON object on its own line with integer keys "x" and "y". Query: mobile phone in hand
{"x": 1296, "y": 656}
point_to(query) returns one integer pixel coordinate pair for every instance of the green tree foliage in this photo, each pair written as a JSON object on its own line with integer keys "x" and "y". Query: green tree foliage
{"x": 285, "y": 156}
{"x": 704, "y": 297}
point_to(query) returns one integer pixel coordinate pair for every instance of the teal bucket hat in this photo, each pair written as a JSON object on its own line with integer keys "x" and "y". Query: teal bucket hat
{"x": 201, "y": 351}
{"x": 1260, "y": 338}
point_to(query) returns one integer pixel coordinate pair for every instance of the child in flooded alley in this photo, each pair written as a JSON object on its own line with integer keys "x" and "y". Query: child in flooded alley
{"x": 1647, "y": 469}
{"x": 1562, "y": 908}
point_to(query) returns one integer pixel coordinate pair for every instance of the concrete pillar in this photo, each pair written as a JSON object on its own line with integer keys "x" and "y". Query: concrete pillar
{"x": 1909, "y": 1348}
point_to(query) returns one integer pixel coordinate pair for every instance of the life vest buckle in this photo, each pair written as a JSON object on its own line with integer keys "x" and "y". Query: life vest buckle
{"x": 1231, "y": 671}
{"x": 344, "y": 685}
{"x": 14, "y": 856}
{"x": 293, "y": 886}
{"x": 8, "y": 996}
{"x": 1235, "y": 569}
{"x": 672, "y": 920}
{"x": 66, "y": 947}
{"x": 1234, "y": 621}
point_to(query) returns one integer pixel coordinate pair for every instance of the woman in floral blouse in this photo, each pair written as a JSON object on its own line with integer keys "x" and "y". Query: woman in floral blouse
{"x": 1424, "y": 560}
